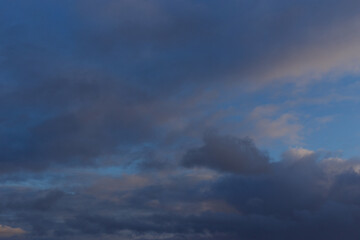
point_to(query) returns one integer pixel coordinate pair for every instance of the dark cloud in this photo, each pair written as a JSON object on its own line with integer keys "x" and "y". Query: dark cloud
{"x": 228, "y": 154}
{"x": 42, "y": 201}
{"x": 297, "y": 198}
{"x": 305, "y": 195}
{"x": 208, "y": 41}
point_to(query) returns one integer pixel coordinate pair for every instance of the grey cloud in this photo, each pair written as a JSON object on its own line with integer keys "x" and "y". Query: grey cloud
{"x": 298, "y": 197}
{"x": 38, "y": 201}
{"x": 228, "y": 154}
{"x": 233, "y": 40}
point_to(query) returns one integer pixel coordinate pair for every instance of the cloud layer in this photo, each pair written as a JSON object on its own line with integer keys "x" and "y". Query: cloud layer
{"x": 115, "y": 73}
{"x": 104, "y": 106}
{"x": 307, "y": 194}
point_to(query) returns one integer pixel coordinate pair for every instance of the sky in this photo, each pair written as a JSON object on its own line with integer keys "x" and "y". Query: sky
{"x": 179, "y": 120}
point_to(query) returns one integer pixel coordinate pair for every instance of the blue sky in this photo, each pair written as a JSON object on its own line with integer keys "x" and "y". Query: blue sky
{"x": 196, "y": 120}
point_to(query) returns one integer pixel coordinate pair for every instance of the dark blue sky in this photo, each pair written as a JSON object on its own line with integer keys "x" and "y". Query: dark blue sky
{"x": 196, "y": 120}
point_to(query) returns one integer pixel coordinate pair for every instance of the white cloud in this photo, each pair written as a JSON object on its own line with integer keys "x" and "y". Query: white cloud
{"x": 295, "y": 154}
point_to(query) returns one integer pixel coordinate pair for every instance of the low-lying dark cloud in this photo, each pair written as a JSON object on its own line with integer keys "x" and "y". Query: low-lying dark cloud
{"x": 304, "y": 195}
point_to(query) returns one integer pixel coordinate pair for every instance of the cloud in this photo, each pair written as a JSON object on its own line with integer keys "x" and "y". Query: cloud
{"x": 269, "y": 124}
{"x": 6, "y": 231}
{"x": 260, "y": 41}
{"x": 228, "y": 154}
{"x": 297, "y": 154}
{"x": 89, "y": 84}
{"x": 324, "y": 119}
{"x": 117, "y": 75}
{"x": 285, "y": 127}
{"x": 42, "y": 201}
{"x": 295, "y": 197}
